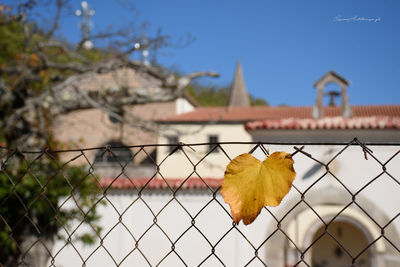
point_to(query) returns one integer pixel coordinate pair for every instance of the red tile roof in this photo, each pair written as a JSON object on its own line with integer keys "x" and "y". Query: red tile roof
{"x": 159, "y": 183}
{"x": 246, "y": 114}
{"x": 373, "y": 122}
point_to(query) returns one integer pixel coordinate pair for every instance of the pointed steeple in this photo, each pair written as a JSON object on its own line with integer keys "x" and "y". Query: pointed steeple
{"x": 238, "y": 96}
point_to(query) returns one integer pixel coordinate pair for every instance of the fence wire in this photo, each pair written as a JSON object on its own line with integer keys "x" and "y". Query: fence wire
{"x": 103, "y": 207}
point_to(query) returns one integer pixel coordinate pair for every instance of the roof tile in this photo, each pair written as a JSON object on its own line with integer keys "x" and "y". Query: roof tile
{"x": 328, "y": 123}
{"x": 245, "y": 114}
{"x": 159, "y": 183}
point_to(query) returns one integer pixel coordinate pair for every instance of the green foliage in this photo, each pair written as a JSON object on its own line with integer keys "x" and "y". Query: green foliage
{"x": 33, "y": 54}
{"x": 32, "y": 201}
{"x": 30, "y": 65}
{"x": 256, "y": 101}
{"x": 10, "y": 41}
{"x": 212, "y": 96}
{"x": 209, "y": 96}
{"x": 32, "y": 192}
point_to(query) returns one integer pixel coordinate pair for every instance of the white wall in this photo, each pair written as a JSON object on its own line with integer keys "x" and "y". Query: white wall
{"x": 192, "y": 247}
{"x": 380, "y": 199}
{"x": 183, "y": 106}
{"x": 213, "y": 166}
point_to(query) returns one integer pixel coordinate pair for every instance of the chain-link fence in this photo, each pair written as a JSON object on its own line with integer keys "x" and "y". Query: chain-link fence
{"x": 104, "y": 207}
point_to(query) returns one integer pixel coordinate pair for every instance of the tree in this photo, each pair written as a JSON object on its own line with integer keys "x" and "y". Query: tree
{"x": 39, "y": 80}
{"x": 257, "y": 101}
{"x": 214, "y": 96}
{"x": 40, "y": 75}
{"x": 32, "y": 211}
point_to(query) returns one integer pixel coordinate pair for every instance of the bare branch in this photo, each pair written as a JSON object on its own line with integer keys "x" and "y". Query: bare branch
{"x": 59, "y": 7}
{"x": 5, "y": 94}
{"x": 184, "y": 81}
{"x": 68, "y": 51}
{"x": 75, "y": 67}
{"x": 132, "y": 120}
{"x": 47, "y": 76}
{"x": 69, "y": 95}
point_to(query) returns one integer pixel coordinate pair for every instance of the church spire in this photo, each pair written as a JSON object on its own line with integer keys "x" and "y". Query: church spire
{"x": 238, "y": 96}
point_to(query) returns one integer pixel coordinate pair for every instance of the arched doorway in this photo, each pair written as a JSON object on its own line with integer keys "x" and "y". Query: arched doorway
{"x": 301, "y": 225}
{"x": 326, "y": 252}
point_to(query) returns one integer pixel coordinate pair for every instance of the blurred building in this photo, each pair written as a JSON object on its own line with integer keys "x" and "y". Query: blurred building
{"x": 96, "y": 128}
{"x": 330, "y": 195}
{"x": 171, "y": 214}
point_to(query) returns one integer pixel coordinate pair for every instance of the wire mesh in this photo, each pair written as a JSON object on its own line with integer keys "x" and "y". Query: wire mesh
{"x": 64, "y": 208}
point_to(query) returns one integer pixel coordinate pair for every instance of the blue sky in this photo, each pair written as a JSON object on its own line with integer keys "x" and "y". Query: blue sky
{"x": 284, "y": 46}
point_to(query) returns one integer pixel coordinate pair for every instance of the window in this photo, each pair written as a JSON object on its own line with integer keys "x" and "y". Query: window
{"x": 172, "y": 140}
{"x": 115, "y": 120}
{"x": 120, "y": 153}
{"x": 213, "y": 141}
{"x": 150, "y": 159}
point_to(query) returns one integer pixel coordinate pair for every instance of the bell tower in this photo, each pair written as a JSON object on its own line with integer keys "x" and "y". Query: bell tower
{"x": 331, "y": 77}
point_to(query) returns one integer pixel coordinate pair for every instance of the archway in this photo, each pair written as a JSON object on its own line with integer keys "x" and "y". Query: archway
{"x": 280, "y": 251}
{"x": 328, "y": 251}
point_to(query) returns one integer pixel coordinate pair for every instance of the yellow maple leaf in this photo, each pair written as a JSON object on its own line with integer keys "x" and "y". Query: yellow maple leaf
{"x": 249, "y": 184}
